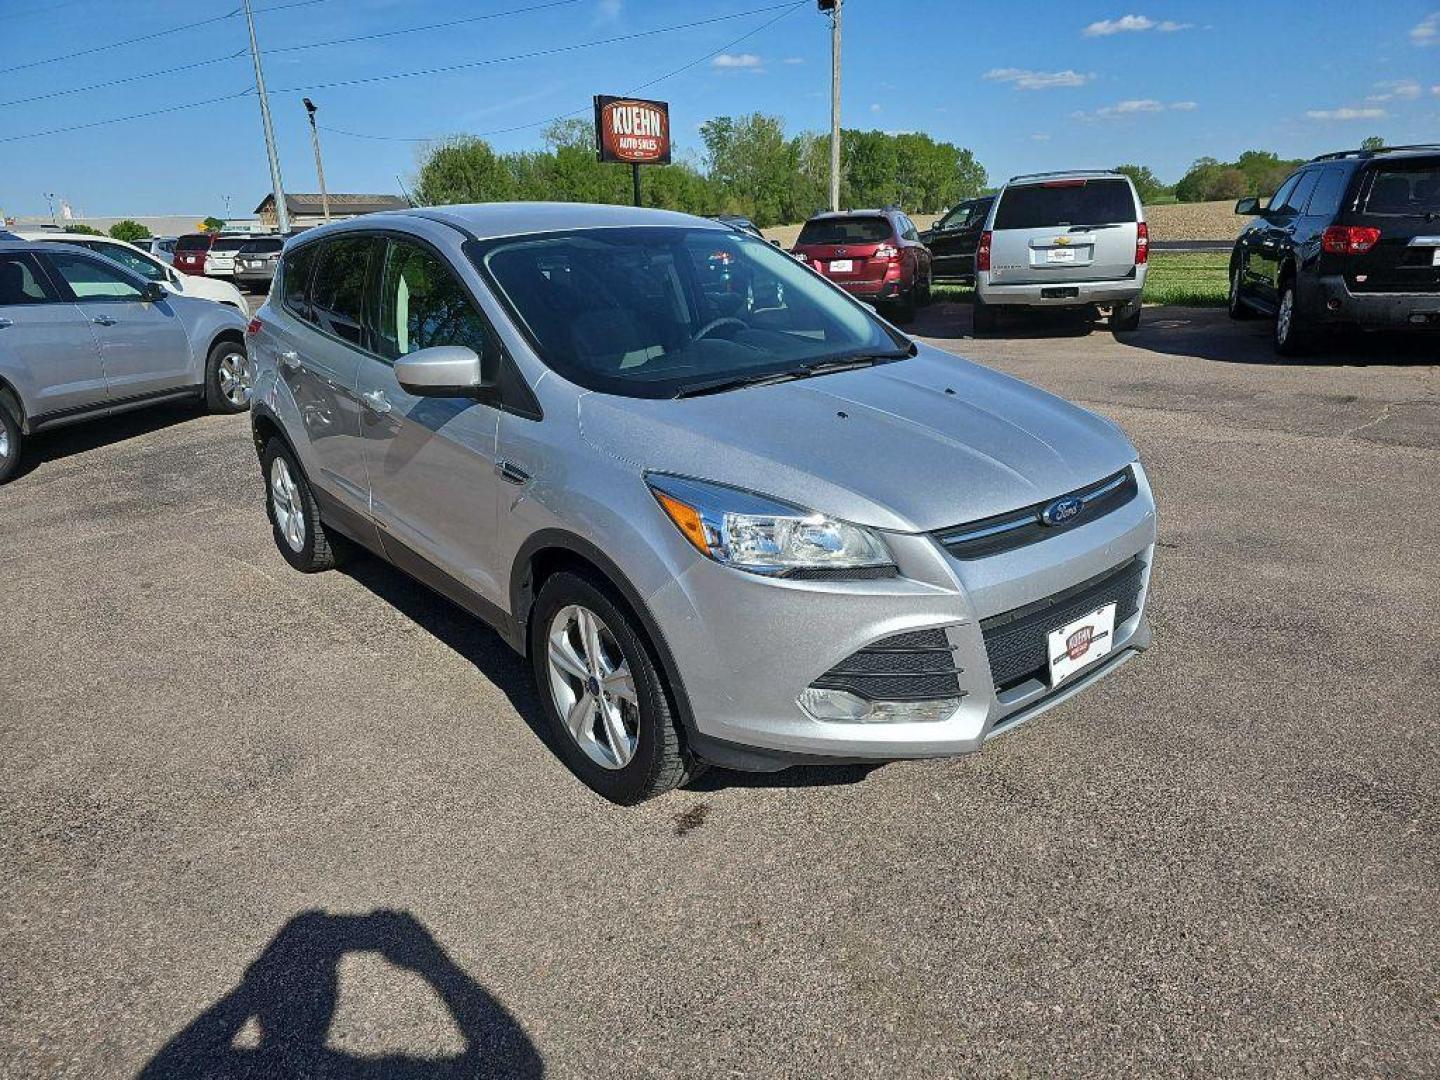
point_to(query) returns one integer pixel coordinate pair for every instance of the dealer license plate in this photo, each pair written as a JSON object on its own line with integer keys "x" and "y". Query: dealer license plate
{"x": 1081, "y": 642}
{"x": 1059, "y": 255}
{"x": 842, "y": 266}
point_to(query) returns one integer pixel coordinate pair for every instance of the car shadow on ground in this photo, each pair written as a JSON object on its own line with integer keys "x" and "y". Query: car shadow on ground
{"x": 91, "y": 435}
{"x": 276, "y": 1022}
{"x": 510, "y": 673}
{"x": 946, "y": 319}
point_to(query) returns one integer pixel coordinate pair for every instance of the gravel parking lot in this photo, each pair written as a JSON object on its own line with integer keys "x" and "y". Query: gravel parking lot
{"x": 234, "y": 798}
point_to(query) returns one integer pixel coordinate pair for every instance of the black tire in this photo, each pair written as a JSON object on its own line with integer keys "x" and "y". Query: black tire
{"x": 983, "y": 317}
{"x": 1237, "y": 307}
{"x": 660, "y": 761}
{"x": 312, "y": 547}
{"x": 12, "y": 442}
{"x": 1293, "y": 336}
{"x": 1125, "y": 318}
{"x": 227, "y": 391}
{"x": 904, "y": 307}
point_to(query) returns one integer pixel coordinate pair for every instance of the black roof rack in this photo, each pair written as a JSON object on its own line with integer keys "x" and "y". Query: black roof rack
{"x": 1339, "y": 154}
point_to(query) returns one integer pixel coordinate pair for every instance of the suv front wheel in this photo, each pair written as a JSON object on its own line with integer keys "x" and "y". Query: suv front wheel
{"x": 609, "y": 715}
{"x": 300, "y": 535}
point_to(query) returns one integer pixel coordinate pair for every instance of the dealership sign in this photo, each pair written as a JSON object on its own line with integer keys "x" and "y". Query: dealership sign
{"x": 632, "y": 130}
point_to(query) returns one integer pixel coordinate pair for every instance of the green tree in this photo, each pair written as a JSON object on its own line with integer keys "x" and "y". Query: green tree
{"x": 129, "y": 231}
{"x": 83, "y": 230}
{"x": 1373, "y": 142}
{"x": 1147, "y": 184}
{"x": 463, "y": 170}
{"x": 213, "y": 224}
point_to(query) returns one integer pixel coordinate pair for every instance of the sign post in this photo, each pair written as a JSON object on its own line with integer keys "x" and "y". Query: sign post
{"x": 632, "y": 130}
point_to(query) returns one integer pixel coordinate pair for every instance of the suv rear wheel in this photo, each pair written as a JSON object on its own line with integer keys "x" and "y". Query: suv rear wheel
{"x": 982, "y": 317}
{"x": 604, "y": 698}
{"x": 1125, "y": 318}
{"x": 1292, "y": 334}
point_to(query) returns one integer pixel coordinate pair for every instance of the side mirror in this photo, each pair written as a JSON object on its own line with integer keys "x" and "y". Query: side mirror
{"x": 1249, "y": 207}
{"x": 153, "y": 292}
{"x": 441, "y": 371}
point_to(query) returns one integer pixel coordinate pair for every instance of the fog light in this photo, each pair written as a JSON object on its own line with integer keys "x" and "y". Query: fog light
{"x": 842, "y": 707}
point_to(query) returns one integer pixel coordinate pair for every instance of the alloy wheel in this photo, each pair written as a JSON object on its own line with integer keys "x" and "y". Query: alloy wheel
{"x": 235, "y": 377}
{"x": 1285, "y": 315}
{"x": 592, "y": 687}
{"x": 4, "y": 443}
{"x": 287, "y": 504}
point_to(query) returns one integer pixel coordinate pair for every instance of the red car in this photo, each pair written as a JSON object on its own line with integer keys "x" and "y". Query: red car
{"x": 190, "y": 252}
{"x": 874, "y": 255}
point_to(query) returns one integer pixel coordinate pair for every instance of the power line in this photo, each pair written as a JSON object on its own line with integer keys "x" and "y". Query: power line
{"x": 127, "y": 79}
{"x": 535, "y": 54}
{"x": 789, "y": 9}
{"x": 419, "y": 29}
{"x": 133, "y": 116}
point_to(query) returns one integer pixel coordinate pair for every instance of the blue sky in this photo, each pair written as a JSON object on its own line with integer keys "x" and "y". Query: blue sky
{"x": 1028, "y": 85}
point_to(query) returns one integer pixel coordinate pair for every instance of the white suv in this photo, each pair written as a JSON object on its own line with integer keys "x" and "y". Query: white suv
{"x": 148, "y": 266}
{"x": 1064, "y": 239}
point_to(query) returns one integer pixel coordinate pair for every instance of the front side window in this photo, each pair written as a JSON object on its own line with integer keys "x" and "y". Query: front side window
{"x": 423, "y": 304}
{"x": 338, "y": 296}
{"x": 1278, "y": 199}
{"x": 957, "y": 218}
{"x": 1057, "y": 203}
{"x": 1295, "y": 200}
{"x": 21, "y": 281}
{"x": 652, "y": 312}
{"x": 93, "y": 279}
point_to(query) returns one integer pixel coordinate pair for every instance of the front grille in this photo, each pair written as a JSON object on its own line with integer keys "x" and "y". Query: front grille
{"x": 915, "y": 666}
{"x": 1017, "y": 528}
{"x": 1017, "y": 642}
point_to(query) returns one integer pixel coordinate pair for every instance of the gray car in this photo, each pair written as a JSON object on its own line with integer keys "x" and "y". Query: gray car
{"x": 729, "y": 517}
{"x": 1073, "y": 240}
{"x": 82, "y": 337}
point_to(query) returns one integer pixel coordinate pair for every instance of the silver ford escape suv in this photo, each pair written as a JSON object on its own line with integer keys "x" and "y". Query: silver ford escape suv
{"x": 1073, "y": 240}
{"x": 728, "y": 514}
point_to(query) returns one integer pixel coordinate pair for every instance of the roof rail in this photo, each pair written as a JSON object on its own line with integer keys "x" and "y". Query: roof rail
{"x": 1064, "y": 172}
{"x": 1340, "y": 154}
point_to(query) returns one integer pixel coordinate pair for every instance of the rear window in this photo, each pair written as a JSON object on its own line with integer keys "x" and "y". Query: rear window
{"x": 262, "y": 247}
{"x": 229, "y": 243}
{"x": 1065, "y": 202}
{"x": 193, "y": 242}
{"x": 846, "y": 230}
{"x": 1405, "y": 190}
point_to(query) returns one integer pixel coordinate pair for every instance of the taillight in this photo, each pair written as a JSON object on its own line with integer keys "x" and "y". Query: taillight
{"x": 887, "y": 251}
{"x": 1349, "y": 239}
{"x": 1142, "y": 243}
{"x": 254, "y": 326}
{"x": 982, "y": 252}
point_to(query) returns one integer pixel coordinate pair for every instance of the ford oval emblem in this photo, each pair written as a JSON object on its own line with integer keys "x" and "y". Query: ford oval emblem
{"x": 1062, "y": 510}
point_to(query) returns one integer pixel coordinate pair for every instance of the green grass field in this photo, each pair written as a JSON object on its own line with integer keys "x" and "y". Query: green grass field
{"x": 1188, "y": 278}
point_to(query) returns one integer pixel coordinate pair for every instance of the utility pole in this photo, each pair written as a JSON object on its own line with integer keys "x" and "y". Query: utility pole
{"x": 282, "y": 212}
{"x": 50, "y": 198}
{"x": 310, "y": 109}
{"x": 833, "y": 7}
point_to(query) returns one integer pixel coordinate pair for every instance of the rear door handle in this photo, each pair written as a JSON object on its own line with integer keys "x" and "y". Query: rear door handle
{"x": 377, "y": 402}
{"x": 102, "y": 320}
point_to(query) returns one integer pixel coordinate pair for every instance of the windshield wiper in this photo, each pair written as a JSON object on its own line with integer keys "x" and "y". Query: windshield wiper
{"x": 803, "y": 371}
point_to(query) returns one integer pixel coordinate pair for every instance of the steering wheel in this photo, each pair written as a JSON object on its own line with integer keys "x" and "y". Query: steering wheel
{"x": 713, "y": 323}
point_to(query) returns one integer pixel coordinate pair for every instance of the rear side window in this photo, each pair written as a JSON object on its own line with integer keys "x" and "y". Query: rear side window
{"x": 295, "y": 280}
{"x": 193, "y": 242}
{"x": 1405, "y": 190}
{"x": 846, "y": 230}
{"x": 1325, "y": 200}
{"x": 1065, "y": 202}
{"x": 337, "y": 298}
{"x": 21, "y": 281}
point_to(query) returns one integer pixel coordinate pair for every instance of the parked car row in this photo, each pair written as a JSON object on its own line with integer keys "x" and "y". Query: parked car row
{"x": 149, "y": 266}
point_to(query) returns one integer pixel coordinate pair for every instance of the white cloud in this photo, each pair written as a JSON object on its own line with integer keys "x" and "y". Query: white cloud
{"x": 1403, "y": 89}
{"x": 793, "y": 60}
{"x": 1133, "y": 107}
{"x": 608, "y": 11}
{"x": 1133, "y": 24}
{"x": 875, "y": 107}
{"x": 1347, "y": 112}
{"x": 1040, "y": 136}
{"x": 738, "y": 62}
{"x": 1426, "y": 31}
{"x": 1023, "y": 79}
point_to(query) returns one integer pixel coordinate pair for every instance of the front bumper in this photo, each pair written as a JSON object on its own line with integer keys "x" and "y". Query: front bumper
{"x": 747, "y": 646}
{"x": 1336, "y": 303}
{"x": 1061, "y": 293}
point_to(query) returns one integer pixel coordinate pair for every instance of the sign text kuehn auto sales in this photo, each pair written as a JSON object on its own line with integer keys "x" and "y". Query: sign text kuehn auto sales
{"x": 632, "y": 130}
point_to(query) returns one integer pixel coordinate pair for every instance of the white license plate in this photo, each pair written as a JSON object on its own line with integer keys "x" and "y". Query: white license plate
{"x": 1058, "y": 255}
{"x": 842, "y": 266}
{"x": 1081, "y": 642}
{"x": 1435, "y": 257}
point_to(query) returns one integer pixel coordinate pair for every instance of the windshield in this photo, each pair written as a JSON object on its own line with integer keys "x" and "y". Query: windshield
{"x": 1065, "y": 202}
{"x": 648, "y": 312}
{"x": 1405, "y": 190}
{"x": 845, "y": 230}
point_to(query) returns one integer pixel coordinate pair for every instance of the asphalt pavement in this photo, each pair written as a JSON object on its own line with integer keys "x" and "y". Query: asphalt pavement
{"x": 266, "y": 824}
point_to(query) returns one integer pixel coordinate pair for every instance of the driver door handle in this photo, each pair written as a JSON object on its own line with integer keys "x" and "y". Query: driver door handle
{"x": 102, "y": 320}
{"x": 377, "y": 402}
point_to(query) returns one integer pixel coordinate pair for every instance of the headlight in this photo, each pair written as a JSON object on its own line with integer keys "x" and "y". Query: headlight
{"x": 762, "y": 535}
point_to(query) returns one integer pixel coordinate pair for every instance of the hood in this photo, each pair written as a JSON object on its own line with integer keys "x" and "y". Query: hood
{"x": 916, "y": 445}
